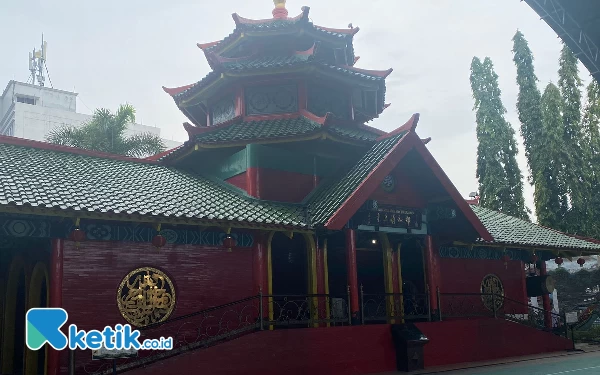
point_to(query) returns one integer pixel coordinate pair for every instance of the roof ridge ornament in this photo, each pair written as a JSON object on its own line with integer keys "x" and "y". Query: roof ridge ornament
{"x": 279, "y": 12}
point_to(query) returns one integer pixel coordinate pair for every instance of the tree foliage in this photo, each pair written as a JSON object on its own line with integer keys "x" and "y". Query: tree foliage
{"x": 576, "y": 173}
{"x": 591, "y": 156}
{"x": 500, "y": 179}
{"x": 551, "y": 202}
{"x": 528, "y": 101}
{"x": 105, "y": 132}
{"x": 571, "y": 287}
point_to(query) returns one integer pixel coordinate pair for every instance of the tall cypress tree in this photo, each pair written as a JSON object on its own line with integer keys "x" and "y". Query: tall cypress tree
{"x": 500, "y": 179}
{"x": 576, "y": 173}
{"x": 528, "y": 101}
{"x": 551, "y": 202}
{"x": 591, "y": 153}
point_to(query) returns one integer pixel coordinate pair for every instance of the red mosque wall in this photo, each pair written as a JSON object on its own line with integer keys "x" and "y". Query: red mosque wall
{"x": 240, "y": 180}
{"x": 203, "y": 277}
{"x": 278, "y": 185}
{"x": 465, "y": 276}
{"x": 332, "y": 351}
{"x": 404, "y": 194}
{"x": 460, "y": 341}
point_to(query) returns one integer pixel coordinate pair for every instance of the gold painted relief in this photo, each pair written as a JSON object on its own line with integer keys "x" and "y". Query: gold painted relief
{"x": 492, "y": 292}
{"x": 146, "y": 296}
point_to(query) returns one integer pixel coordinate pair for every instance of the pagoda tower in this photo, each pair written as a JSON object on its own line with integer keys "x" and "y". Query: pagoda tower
{"x": 284, "y": 105}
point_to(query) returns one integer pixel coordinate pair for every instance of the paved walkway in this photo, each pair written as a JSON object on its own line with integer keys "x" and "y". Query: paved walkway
{"x": 583, "y": 362}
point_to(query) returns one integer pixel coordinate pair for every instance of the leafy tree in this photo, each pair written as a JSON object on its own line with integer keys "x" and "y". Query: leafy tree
{"x": 528, "y": 101}
{"x": 551, "y": 201}
{"x": 591, "y": 153}
{"x": 105, "y": 132}
{"x": 500, "y": 179}
{"x": 576, "y": 172}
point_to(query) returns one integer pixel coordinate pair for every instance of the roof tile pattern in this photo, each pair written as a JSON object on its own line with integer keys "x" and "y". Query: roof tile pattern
{"x": 52, "y": 179}
{"x": 511, "y": 230}
{"x": 257, "y": 130}
{"x": 330, "y": 196}
{"x": 354, "y": 133}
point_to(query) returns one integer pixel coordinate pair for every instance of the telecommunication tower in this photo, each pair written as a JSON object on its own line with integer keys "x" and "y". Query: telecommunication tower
{"x": 37, "y": 63}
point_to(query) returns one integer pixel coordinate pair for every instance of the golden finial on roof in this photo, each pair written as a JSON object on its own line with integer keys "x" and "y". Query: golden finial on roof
{"x": 279, "y": 11}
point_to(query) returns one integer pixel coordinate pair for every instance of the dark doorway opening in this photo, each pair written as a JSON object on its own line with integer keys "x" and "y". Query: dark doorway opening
{"x": 41, "y": 357}
{"x": 336, "y": 265}
{"x": 289, "y": 272}
{"x": 411, "y": 261}
{"x": 370, "y": 269}
{"x": 19, "y": 337}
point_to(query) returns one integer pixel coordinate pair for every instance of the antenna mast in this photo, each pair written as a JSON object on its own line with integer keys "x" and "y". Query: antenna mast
{"x": 37, "y": 62}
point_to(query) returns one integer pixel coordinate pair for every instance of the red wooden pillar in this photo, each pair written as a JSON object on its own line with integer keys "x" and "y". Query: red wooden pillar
{"x": 259, "y": 268}
{"x": 322, "y": 301}
{"x": 56, "y": 277}
{"x": 432, "y": 268}
{"x": 352, "y": 272}
{"x": 546, "y": 299}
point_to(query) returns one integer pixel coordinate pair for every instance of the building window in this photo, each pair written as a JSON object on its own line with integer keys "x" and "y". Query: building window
{"x": 25, "y": 99}
{"x": 263, "y": 100}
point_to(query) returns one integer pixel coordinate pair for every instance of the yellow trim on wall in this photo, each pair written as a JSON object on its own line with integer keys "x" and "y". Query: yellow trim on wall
{"x": 326, "y": 280}
{"x": 270, "y": 277}
{"x": 400, "y": 285}
{"x": 38, "y": 276}
{"x": 18, "y": 264}
{"x": 386, "y": 248}
{"x": 312, "y": 275}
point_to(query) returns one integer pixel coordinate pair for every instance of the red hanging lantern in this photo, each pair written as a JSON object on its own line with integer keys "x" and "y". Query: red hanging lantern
{"x": 229, "y": 242}
{"x": 159, "y": 241}
{"x": 534, "y": 258}
{"x": 78, "y": 235}
{"x": 558, "y": 261}
{"x": 581, "y": 262}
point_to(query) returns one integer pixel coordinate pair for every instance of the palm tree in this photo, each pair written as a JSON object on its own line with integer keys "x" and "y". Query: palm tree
{"x": 105, "y": 132}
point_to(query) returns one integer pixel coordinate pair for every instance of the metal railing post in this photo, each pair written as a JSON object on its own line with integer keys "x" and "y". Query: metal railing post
{"x": 494, "y": 306}
{"x": 439, "y": 303}
{"x": 362, "y": 305}
{"x": 429, "y": 303}
{"x": 564, "y": 319}
{"x": 71, "y": 362}
{"x": 260, "y": 306}
{"x": 349, "y": 307}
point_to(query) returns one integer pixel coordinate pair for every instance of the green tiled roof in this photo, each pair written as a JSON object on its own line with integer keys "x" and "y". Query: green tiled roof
{"x": 273, "y": 62}
{"x": 323, "y": 203}
{"x": 53, "y": 179}
{"x": 251, "y": 130}
{"x": 354, "y": 133}
{"x": 511, "y": 230}
{"x": 267, "y": 62}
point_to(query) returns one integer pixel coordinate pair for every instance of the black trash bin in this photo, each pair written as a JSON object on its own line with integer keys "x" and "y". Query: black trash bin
{"x": 409, "y": 342}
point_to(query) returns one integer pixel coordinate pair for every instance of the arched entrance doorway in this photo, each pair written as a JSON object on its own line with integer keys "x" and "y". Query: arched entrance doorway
{"x": 35, "y": 361}
{"x": 289, "y": 281}
{"x": 13, "y": 345}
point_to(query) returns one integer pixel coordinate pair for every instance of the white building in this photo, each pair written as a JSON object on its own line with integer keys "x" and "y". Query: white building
{"x": 31, "y": 112}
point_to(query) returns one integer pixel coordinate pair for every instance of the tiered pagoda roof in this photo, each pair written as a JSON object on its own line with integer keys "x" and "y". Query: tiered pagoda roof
{"x": 286, "y": 50}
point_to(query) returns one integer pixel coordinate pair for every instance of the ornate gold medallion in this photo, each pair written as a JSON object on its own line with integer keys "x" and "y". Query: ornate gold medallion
{"x": 491, "y": 284}
{"x": 146, "y": 296}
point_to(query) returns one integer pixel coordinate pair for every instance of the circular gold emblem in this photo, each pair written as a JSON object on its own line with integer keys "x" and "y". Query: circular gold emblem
{"x": 146, "y": 296}
{"x": 492, "y": 292}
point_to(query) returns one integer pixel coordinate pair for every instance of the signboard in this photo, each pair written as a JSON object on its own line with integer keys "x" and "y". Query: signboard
{"x": 104, "y": 353}
{"x": 391, "y": 217}
{"x": 571, "y": 317}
